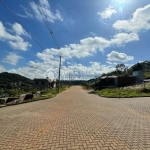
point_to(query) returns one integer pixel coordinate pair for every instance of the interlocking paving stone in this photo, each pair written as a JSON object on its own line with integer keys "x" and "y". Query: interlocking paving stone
{"x": 77, "y": 120}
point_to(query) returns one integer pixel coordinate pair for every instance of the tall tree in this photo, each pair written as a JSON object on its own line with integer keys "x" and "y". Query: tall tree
{"x": 120, "y": 67}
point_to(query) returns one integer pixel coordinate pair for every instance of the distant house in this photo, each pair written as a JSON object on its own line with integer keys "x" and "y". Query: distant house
{"x": 126, "y": 81}
{"x": 44, "y": 83}
{"x": 107, "y": 81}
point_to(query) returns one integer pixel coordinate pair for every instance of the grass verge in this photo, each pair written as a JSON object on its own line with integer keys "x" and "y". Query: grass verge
{"x": 123, "y": 93}
{"x": 47, "y": 93}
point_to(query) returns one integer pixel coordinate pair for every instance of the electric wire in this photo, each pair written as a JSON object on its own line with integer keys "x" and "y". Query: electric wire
{"x": 21, "y": 24}
{"x": 47, "y": 24}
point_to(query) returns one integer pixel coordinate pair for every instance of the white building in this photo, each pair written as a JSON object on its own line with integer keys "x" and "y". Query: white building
{"x": 139, "y": 76}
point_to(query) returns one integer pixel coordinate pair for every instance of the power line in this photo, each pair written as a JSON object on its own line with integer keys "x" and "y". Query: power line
{"x": 47, "y": 24}
{"x": 21, "y": 24}
{"x": 53, "y": 37}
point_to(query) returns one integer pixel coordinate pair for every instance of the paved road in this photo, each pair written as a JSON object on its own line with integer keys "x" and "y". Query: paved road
{"x": 76, "y": 119}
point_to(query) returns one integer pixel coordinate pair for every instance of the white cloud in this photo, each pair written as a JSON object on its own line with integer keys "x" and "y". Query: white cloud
{"x": 4, "y": 35}
{"x": 19, "y": 45}
{"x": 17, "y": 28}
{"x": 12, "y": 58}
{"x": 140, "y": 21}
{"x": 119, "y": 57}
{"x": 123, "y": 38}
{"x": 38, "y": 69}
{"x": 45, "y": 55}
{"x": 50, "y": 16}
{"x": 15, "y": 41}
{"x": 87, "y": 47}
{"x": 107, "y": 13}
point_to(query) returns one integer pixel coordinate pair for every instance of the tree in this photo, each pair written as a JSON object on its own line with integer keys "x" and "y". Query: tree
{"x": 137, "y": 67}
{"x": 120, "y": 67}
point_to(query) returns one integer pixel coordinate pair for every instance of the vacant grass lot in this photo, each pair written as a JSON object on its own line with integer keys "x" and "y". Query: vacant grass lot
{"x": 124, "y": 92}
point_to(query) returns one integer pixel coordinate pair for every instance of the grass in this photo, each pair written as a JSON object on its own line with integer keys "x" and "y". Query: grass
{"x": 123, "y": 93}
{"x": 47, "y": 93}
{"x": 87, "y": 87}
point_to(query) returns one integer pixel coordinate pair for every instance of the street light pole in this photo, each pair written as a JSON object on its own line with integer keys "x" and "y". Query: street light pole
{"x": 59, "y": 75}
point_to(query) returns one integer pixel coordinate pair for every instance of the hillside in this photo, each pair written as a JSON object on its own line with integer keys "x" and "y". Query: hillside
{"x": 11, "y": 80}
{"x": 144, "y": 66}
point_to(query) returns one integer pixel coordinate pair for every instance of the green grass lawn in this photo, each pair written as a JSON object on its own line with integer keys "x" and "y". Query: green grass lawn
{"x": 121, "y": 92}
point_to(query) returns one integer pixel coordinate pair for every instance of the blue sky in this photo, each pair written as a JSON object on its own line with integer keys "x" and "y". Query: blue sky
{"x": 93, "y": 36}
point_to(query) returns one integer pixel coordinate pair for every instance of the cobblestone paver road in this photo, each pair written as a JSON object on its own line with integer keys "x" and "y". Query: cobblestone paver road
{"x": 76, "y": 119}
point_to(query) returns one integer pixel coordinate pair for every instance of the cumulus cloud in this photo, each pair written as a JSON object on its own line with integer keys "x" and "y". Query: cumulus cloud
{"x": 45, "y": 55}
{"x": 140, "y": 21}
{"x": 20, "y": 44}
{"x": 12, "y": 58}
{"x": 119, "y": 57}
{"x": 85, "y": 48}
{"x": 17, "y": 28}
{"x": 107, "y": 13}
{"x": 124, "y": 38}
{"x": 50, "y": 16}
{"x": 15, "y": 41}
{"x": 88, "y": 46}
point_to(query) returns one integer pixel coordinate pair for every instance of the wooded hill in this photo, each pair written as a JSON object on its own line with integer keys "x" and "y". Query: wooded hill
{"x": 122, "y": 70}
{"x": 146, "y": 68}
{"x": 11, "y": 80}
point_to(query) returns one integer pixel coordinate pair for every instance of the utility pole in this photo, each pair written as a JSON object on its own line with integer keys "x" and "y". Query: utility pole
{"x": 59, "y": 75}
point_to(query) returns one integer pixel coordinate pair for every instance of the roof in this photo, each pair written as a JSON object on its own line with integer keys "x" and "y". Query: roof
{"x": 147, "y": 80}
{"x": 113, "y": 77}
{"x": 47, "y": 79}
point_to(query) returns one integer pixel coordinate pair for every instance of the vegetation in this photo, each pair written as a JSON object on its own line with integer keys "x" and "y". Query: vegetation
{"x": 45, "y": 94}
{"x": 88, "y": 85}
{"x": 49, "y": 93}
{"x": 122, "y": 70}
{"x": 123, "y": 92}
{"x": 12, "y": 84}
{"x": 11, "y": 79}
